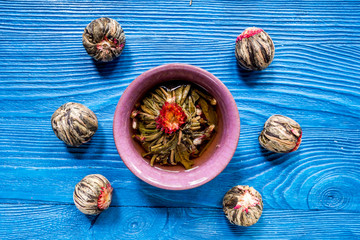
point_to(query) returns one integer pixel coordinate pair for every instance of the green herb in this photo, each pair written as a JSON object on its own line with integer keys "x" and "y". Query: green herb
{"x": 175, "y": 126}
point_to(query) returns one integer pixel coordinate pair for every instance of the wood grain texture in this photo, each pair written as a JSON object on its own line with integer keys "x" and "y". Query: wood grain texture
{"x": 314, "y": 79}
{"x": 65, "y": 222}
{"x": 323, "y": 174}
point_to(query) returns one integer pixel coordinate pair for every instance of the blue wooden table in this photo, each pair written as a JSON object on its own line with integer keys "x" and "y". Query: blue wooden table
{"x": 312, "y": 193}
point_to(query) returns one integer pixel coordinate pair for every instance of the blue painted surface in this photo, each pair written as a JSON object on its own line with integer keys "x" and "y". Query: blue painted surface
{"x": 314, "y": 79}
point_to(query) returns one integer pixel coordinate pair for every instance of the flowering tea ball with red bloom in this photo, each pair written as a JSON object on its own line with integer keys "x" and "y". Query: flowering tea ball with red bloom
{"x": 174, "y": 126}
{"x": 93, "y": 194}
{"x": 243, "y": 205}
{"x": 254, "y": 49}
{"x": 280, "y": 134}
{"x": 104, "y": 39}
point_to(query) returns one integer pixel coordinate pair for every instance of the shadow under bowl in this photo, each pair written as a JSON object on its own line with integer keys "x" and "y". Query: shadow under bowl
{"x": 214, "y": 159}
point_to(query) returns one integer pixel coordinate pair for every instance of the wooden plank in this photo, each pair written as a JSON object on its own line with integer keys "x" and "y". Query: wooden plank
{"x": 295, "y": 21}
{"x": 323, "y": 174}
{"x": 66, "y": 222}
{"x": 301, "y": 83}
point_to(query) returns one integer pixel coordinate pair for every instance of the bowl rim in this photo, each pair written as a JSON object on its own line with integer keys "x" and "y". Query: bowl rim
{"x": 122, "y": 144}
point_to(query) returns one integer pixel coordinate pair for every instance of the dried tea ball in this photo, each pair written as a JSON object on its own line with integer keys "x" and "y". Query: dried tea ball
{"x": 280, "y": 134}
{"x": 243, "y": 205}
{"x": 74, "y": 123}
{"x": 93, "y": 194}
{"x": 104, "y": 39}
{"x": 254, "y": 49}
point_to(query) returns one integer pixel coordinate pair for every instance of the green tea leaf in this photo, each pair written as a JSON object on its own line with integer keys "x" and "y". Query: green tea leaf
{"x": 178, "y": 94}
{"x": 167, "y": 147}
{"x": 207, "y": 97}
{"x": 192, "y": 108}
{"x": 153, "y": 137}
{"x": 147, "y": 110}
{"x": 208, "y": 111}
{"x": 153, "y": 160}
{"x": 160, "y": 94}
{"x": 145, "y": 131}
{"x": 194, "y": 96}
{"x": 182, "y": 155}
{"x": 157, "y": 98}
{"x": 184, "y": 94}
{"x": 152, "y": 105}
{"x": 151, "y": 125}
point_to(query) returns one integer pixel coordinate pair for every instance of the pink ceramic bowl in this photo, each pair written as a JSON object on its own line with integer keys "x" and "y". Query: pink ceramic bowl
{"x": 214, "y": 159}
